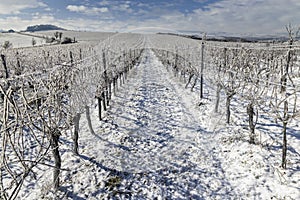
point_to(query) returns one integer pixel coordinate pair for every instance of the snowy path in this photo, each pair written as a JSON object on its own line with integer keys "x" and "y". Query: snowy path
{"x": 151, "y": 144}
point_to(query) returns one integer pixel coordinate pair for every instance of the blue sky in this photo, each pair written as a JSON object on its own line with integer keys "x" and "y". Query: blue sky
{"x": 232, "y": 16}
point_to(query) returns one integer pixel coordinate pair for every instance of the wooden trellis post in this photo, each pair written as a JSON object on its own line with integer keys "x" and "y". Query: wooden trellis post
{"x": 202, "y": 65}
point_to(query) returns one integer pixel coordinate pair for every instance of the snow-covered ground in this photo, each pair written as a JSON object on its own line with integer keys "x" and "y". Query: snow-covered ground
{"x": 19, "y": 40}
{"x": 80, "y": 36}
{"x": 25, "y": 40}
{"x": 157, "y": 142}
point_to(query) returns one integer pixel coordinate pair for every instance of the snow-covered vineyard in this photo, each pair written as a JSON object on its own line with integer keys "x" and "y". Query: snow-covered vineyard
{"x": 136, "y": 116}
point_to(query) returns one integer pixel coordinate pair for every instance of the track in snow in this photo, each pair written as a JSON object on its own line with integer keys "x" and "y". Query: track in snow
{"x": 152, "y": 141}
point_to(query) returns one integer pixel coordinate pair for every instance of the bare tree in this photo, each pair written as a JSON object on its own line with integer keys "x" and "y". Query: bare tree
{"x": 60, "y": 35}
{"x": 255, "y": 76}
{"x": 33, "y": 42}
{"x": 56, "y": 35}
{"x": 229, "y": 76}
{"x": 7, "y": 45}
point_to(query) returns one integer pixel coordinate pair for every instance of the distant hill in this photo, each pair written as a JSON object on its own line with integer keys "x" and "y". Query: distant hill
{"x": 43, "y": 27}
{"x": 226, "y": 37}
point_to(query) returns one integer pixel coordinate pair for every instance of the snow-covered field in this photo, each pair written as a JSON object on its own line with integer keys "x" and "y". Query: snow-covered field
{"x": 80, "y": 36}
{"x": 25, "y": 40}
{"x": 19, "y": 40}
{"x": 158, "y": 142}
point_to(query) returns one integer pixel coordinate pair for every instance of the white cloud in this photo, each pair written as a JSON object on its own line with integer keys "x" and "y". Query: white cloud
{"x": 87, "y": 10}
{"x": 16, "y": 6}
{"x": 101, "y": 10}
{"x": 84, "y": 24}
{"x": 242, "y": 17}
{"x": 41, "y": 4}
{"x": 48, "y": 9}
{"x": 76, "y": 8}
{"x": 123, "y": 7}
{"x": 18, "y": 23}
{"x": 248, "y": 16}
{"x": 104, "y": 3}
